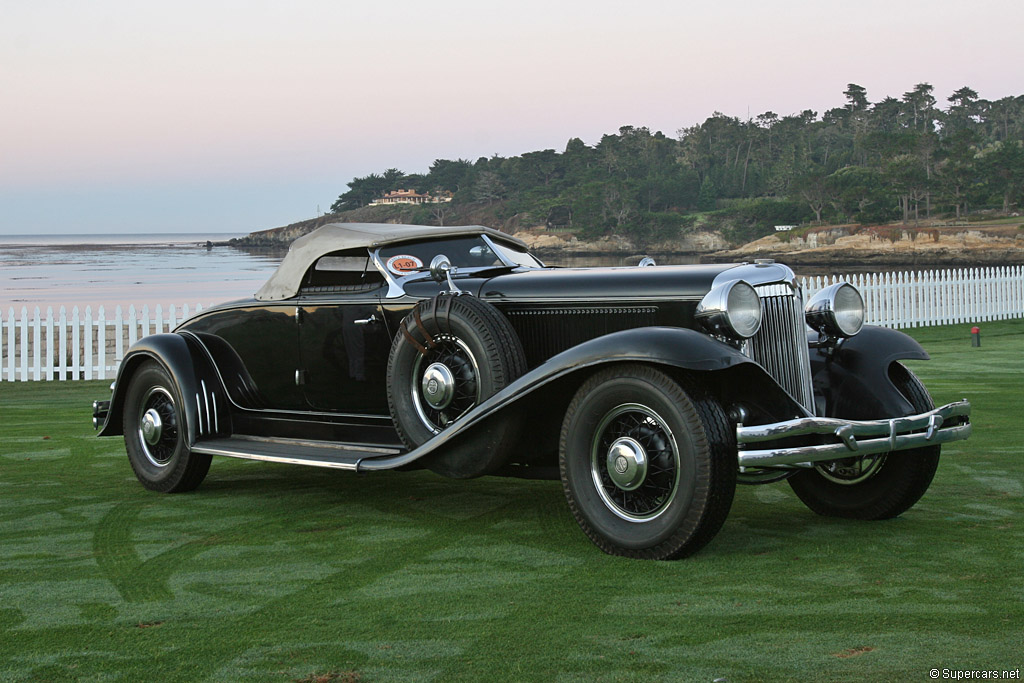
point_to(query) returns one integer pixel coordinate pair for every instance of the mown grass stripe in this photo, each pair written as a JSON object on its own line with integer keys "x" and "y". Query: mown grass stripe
{"x": 278, "y": 573}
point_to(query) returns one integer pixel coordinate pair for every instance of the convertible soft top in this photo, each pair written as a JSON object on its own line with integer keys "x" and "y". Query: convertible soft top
{"x": 285, "y": 281}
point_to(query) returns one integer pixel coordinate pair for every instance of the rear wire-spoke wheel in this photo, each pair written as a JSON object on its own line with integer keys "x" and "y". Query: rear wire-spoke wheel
{"x": 156, "y": 434}
{"x": 877, "y": 486}
{"x": 158, "y": 426}
{"x": 648, "y": 467}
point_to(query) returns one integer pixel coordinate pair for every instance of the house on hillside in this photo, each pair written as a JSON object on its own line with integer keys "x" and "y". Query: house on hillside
{"x": 412, "y": 197}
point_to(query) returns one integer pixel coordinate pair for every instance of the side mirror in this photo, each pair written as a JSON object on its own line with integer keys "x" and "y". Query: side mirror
{"x": 441, "y": 269}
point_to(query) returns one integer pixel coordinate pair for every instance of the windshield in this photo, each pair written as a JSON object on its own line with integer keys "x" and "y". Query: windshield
{"x": 464, "y": 253}
{"x": 518, "y": 256}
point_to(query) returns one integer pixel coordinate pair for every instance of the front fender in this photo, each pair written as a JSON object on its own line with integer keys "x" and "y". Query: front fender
{"x": 673, "y": 347}
{"x": 188, "y": 368}
{"x": 854, "y": 378}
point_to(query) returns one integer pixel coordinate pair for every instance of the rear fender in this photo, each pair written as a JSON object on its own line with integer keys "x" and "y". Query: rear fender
{"x": 854, "y": 378}
{"x": 196, "y": 381}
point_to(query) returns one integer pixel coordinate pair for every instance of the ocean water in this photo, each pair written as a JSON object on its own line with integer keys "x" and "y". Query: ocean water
{"x": 111, "y": 270}
{"x": 178, "y": 268}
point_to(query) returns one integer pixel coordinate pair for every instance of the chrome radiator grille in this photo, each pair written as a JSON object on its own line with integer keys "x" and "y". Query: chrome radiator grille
{"x": 780, "y": 346}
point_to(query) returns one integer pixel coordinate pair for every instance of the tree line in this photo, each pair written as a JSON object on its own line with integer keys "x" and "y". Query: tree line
{"x": 892, "y": 160}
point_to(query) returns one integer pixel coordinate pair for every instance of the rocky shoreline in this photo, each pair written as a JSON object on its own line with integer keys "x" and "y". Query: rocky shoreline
{"x": 839, "y": 246}
{"x": 890, "y": 246}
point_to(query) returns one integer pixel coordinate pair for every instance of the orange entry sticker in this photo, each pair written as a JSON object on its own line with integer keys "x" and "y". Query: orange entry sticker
{"x": 403, "y": 264}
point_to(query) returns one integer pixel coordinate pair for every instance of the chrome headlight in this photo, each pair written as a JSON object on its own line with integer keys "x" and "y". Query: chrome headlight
{"x": 836, "y": 311}
{"x": 732, "y": 309}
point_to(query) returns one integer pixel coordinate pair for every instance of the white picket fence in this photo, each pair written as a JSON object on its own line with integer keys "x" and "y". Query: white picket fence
{"x": 935, "y": 297}
{"x": 77, "y": 346}
{"x": 83, "y": 346}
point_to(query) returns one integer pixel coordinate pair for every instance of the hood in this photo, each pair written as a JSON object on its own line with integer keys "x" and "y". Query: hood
{"x": 604, "y": 284}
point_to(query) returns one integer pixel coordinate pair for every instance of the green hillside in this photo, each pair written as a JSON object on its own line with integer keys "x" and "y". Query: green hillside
{"x": 903, "y": 160}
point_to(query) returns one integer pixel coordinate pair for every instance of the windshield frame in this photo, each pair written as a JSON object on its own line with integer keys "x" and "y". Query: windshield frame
{"x": 508, "y": 257}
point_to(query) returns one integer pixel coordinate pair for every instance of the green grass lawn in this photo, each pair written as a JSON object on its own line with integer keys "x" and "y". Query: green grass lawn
{"x": 276, "y": 572}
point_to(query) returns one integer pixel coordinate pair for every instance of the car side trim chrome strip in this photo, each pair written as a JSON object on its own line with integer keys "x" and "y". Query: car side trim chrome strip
{"x": 350, "y": 466}
{"x": 331, "y": 454}
{"x": 199, "y": 414}
{"x": 896, "y": 434}
{"x": 320, "y": 445}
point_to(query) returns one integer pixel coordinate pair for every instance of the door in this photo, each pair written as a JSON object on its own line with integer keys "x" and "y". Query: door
{"x": 344, "y": 347}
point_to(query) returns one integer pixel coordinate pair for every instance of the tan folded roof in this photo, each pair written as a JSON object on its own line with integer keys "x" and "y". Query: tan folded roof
{"x": 285, "y": 281}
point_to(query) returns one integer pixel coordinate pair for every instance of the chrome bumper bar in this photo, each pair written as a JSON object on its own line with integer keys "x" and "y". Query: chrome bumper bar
{"x": 853, "y": 438}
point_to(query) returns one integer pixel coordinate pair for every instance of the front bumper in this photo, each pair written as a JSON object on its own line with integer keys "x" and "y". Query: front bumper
{"x": 852, "y": 438}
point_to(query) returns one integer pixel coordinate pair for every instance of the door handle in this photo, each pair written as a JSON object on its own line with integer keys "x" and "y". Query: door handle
{"x": 366, "y": 321}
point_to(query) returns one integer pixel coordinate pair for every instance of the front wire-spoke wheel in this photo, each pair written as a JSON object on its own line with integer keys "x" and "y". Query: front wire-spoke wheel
{"x": 877, "y": 486}
{"x": 634, "y": 462}
{"x": 648, "y": 467}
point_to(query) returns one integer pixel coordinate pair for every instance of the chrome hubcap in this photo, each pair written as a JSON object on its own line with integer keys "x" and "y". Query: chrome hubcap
{"x": 627, "y": 463}
{"x": 158, "y": 427}
{"x": 152, "y": 427}
{"x": 446, "y": 382}
{"x": 438, "y": 386}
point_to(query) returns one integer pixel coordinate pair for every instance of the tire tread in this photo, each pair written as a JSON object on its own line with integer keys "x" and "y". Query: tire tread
{"x": 189, "y": 468}
{"x": 502, "y": 354}
{"x": 900, "y": 482}
{"x": 715, "y": 476}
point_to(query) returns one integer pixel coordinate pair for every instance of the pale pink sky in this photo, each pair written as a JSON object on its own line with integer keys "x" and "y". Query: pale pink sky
{"x": 120, "y": 116}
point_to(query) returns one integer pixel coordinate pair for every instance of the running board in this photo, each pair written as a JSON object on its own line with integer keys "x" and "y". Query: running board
{"x": 333, "y": 454}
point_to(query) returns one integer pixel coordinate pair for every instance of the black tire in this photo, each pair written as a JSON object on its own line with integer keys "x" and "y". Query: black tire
{"x": 677, "y": 503}
{"x": 478, "y": 348}
{"x": 873, "y": 487}
{"x": 161, "y": 459}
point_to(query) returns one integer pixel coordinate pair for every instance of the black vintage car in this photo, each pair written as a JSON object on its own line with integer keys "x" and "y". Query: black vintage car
{"x": 649, "y": 391}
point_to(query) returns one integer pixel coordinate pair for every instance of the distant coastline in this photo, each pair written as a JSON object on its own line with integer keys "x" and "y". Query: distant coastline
{"x": 126, "y": 269}
{"x": 111, "y": 239}
{"x": 928, "y": 244}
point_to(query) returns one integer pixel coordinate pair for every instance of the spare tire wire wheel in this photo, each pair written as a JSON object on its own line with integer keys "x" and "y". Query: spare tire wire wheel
{"x": 452, "y": 353}
{"x": 446, "y": 382}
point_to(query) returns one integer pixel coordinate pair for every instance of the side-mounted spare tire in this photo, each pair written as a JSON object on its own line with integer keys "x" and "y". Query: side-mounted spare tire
{"x": 452, "y": 352}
